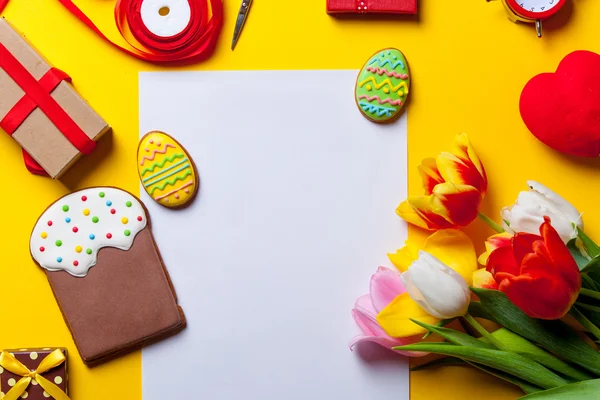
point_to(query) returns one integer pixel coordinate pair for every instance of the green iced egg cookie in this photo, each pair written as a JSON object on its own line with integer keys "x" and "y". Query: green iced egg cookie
{"x": 382, "y": 86}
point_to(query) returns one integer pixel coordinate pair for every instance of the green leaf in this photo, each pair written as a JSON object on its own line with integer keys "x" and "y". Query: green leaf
{"x": 443, "y": 322}
{"x": 554, "y": 336}
{"x": 588, "y": 282}
{"x": 586, "y": 390}
{"x": 580, "y": 259}
{"x": 453, "y": 361}
{"x": 477, "y": 310}
{"x": 590, "y": 247}
{"x": 589, "y": 293}
{"x": 525, "y": 386}
{"x": 454, "y": 337}
{"x": 522, "y": 346}
{"x": 591, "y": 312}
{"x": 583, "y": 320}
{"x": 588, "y": 306}
{"x": 510, "y": 363}
{"x": 591, "y": 266}
{"x": 439, "y": 362}
{"x": 595, "y": 275}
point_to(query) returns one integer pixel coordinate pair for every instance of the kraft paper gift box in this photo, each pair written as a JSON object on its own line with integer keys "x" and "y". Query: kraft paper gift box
{"x": 372, "y": 6}
{"x": 41, "y": 110}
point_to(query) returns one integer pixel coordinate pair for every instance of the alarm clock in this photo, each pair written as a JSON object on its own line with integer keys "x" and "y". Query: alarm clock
{"x": 532, "y": 11}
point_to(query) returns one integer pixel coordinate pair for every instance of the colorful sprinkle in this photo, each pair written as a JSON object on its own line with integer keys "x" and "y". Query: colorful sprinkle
{"x": 49, "y": 223}
{"x": 58, "y": 243}
{"x": 124, "y": 220}
{"x": 59, "y": 259}
{"x": 146, "y": 149}
{"x": 109, "y": 235}
{"x": 92, "y": 236}
{"x": 88, "y": 251}
{"x": 42, "y": 249}
{"x": 127, "y": 232}
{"x": 113, "y": 211}
{"x": 86, "y": 212}
{"x": 151, "y": 141}
{"x": 158, "y": 143}
{"x": 67, "y": 220}
{"x": 101, "y": 194}
{"x": 139, "y": 218}
{"x": 44, "y": 235}
{"x": 83, "y": 198}
{"x": 109, "y": 203}
{"x": 65, "y": 208}
{"x": 187, "y": 190}
{"x": 176, "y": 196}
{"x": 95, "y": 220}
{"x": 128, "y": 204}
{"x": 75, "y": 263}
{"x": 75, "y": 229}
{"x": 78, "y": 249}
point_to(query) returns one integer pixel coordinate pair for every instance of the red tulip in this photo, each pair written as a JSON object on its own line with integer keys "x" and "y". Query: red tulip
{"x": 537, "y": 273}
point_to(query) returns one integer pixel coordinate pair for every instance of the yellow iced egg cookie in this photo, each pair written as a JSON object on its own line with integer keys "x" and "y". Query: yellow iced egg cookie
{"x": 166, "y": 170}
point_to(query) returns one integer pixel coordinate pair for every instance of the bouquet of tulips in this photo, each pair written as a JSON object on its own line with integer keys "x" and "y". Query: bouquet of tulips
{"x": 538, "y": 285}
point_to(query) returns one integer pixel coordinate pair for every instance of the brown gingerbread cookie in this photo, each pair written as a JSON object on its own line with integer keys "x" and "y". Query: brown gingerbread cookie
{"x": 106, "y": 272}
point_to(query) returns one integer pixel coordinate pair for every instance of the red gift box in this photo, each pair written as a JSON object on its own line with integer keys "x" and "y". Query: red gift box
{"x": 372, "y": 6}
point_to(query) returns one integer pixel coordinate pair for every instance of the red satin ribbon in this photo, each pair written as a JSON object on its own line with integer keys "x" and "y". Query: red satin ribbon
{"x": 37, "y": 94}
{"x": 194, "y": 43}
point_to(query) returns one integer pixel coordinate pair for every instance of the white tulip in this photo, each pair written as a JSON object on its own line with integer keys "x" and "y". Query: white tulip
{"x": 437, "y": 288}
{"x": 528, "y": 213}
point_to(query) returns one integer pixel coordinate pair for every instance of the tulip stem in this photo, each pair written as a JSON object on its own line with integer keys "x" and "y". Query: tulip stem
{"x": 583, "y": 320}
{"x": 483, "y": 332}
{"x": 590, "y": 293}
{"x": 491, "y": 223}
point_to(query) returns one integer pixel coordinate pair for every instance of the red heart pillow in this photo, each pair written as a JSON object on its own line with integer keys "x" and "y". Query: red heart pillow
{"x": 562, "y": 109}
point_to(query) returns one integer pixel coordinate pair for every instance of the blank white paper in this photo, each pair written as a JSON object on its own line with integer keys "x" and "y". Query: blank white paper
{"x": 295, "y": 212}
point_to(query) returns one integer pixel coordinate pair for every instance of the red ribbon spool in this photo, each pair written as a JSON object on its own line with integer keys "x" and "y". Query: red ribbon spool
{"x": 194, "y": 43}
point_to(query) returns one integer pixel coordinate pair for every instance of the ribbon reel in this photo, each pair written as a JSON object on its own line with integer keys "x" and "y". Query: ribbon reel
{"x": 163, "y": 31}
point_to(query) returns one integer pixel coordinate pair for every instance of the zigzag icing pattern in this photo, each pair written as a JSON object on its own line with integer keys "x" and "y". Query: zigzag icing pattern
{"x": 171, "y": 182}
{"x": 381, "y": 71}
{"x": 155, "y": 152}
{"x": 377, "y": 110}
{"x": 387, "y": 61}
{"x": 162, "y": 164}
{"x": 385, "y": 82}
{"x": 386, "y": 101}
{"x": 173, "y": 191}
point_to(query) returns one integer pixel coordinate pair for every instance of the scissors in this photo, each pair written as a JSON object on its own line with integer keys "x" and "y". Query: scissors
{"x": 241, "y": 20}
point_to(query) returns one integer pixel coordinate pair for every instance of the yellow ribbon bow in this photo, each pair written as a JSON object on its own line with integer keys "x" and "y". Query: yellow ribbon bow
{"x": 10, "y": 363}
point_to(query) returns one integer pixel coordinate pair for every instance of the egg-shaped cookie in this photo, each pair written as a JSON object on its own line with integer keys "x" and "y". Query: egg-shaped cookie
{"x": 382, "y": 86}
{"x": 167, "y": 172}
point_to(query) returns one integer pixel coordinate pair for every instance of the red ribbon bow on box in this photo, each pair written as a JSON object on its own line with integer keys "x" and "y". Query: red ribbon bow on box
{"x": 37, "y": 95}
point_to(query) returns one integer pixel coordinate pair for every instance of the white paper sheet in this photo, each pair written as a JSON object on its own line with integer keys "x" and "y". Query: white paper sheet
{"x": 294, "y": 214}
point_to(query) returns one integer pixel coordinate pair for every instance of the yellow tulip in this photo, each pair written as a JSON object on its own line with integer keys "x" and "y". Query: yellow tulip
{"x": 450, "y": 246}
{"x": 455, "y": 183}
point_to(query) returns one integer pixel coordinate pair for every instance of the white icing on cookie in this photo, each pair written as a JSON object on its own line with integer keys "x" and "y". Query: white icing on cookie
{"x": 68, "y": 236}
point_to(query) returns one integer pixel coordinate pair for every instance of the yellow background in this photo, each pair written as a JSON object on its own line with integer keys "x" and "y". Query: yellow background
{"x": 468, "y": 65}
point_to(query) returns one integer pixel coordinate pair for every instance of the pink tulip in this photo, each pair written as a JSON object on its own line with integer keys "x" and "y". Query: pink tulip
{"x": 385, "y": 285}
